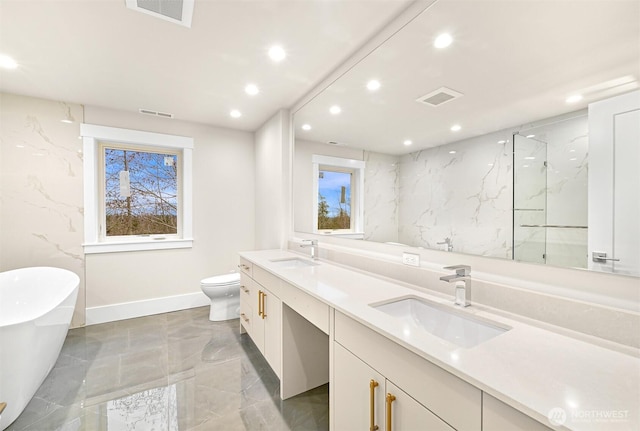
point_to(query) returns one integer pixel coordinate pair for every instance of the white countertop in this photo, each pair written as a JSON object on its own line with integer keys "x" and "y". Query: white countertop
{"x": 532, "y": 369}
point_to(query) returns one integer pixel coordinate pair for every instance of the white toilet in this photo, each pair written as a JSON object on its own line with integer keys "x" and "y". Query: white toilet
{"x": 224, "y": 292}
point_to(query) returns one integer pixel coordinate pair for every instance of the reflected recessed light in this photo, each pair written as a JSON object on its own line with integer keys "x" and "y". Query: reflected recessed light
{"x": 407, "y": 142}
{"x": 66, "y": 121}
{"x": 235, "y": 113}
{"x": 502, "y": 142}
{"x": 573, "y": 158}
{"x": 574, "y": 98}
{"x": 443, "y": 40}
{"x": 531, "y": 136}
{"x": 335, "y": 110}
{"x": 456, "y": 128}
{"x": 530, "y": 158}
{"x": 306, "y": 127}
{"x": 373, "y": 85}
{"x": 452, "y": 152}
{"x": 251, "y": 89}
{"x": 7, "y": 62}
{"x": 572, "y": 151}
{"x": 19, "y": 146}
{"x": 489, "y": 164}
{"x": 277, "y": 53}
{"x": 525, "y": 166}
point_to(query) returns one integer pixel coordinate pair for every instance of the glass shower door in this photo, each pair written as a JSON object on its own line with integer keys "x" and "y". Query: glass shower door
{"x": 529, "y": 199}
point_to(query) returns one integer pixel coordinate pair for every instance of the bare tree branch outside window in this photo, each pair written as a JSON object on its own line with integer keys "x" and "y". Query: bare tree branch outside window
{"x": 150, "y": 205}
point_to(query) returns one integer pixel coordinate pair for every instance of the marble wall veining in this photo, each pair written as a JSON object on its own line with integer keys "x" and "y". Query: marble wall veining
{"x": 41, "y": 187}
{"x": 381, "y": 191}
{"x": 461, "y": 191}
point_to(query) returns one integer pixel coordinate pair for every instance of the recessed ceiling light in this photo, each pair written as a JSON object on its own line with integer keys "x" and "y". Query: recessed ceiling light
{"x": 574, "y": 98}
{"x": 373, "y": 85}
{"x": 277, "y": 53}
{"x": 530, "y": 158}
{"x": 408, "y": 142}
{"x": 489, "y": 164}
{"x": 335, "y": 109}
{"x": 251, "y": 89}
{"x": 572, "y": 151}
{"x": 530, "y": 136}
{"x": 7, "y": 62}
{"x": 502, "y": 142}
{"x": 573, "y": 159}
{"x": 456, "y": 128}
{"x": 452, "y": 152}
{"x": 235, "y": 113}
{"x": 66, "y": 121}
{"x": 525, "y": 166}
{"x": 443, "y": 40}
{"x": 306, "y": 127}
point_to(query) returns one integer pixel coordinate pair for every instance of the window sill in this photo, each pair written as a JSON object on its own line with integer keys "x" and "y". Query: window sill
{"x": 342, "y": 234}
{"x": 136, "y": 245}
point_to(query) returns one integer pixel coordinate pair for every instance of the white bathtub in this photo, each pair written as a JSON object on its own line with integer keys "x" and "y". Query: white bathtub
{"x": 36, "y": 306}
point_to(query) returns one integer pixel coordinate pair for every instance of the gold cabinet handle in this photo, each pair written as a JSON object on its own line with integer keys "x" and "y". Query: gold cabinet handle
{"x": 372, "y": 405}
{"x": 259, "y": 302}
{"x": 264, "y": 295}
{"x": 390, "y": 399}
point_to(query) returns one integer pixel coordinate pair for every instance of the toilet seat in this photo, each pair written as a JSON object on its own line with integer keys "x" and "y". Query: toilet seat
{"x": 221, "y": 280}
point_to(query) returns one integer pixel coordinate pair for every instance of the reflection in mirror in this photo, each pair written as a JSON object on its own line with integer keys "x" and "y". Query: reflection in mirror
{"x": 516, "y": 178}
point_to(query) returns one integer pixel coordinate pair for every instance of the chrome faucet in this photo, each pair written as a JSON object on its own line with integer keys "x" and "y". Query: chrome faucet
{"x": 462, "y": 278}
{"x": 313, "y": 243}
{"x": 446, "y": 241}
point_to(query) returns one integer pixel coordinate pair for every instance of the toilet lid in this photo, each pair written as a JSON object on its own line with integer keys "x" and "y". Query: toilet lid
{"x": 222, "y": 280}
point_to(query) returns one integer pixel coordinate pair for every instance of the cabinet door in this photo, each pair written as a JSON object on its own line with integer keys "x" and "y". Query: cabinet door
{"x": 353, "y": 393}
{"x": 272, "y": 311}
{"x": 406, "y": 414}
{"x": 257, "y": 324}
{"x": 497, "y": 416}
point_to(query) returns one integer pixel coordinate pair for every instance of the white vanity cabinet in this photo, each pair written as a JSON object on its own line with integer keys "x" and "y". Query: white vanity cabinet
{"x": 364, "y": 399}
{"x": 497, "y": 416}
{"x": 426, "y": 396}
{"x": 261, "y": 315}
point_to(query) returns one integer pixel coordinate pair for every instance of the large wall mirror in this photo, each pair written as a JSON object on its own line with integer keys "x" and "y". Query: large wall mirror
{"x": 508, "y": 129}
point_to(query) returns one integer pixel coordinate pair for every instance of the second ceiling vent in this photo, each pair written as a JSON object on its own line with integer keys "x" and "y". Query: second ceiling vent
{"x": 439, "y": 97}
{"x": 176, "y": 11}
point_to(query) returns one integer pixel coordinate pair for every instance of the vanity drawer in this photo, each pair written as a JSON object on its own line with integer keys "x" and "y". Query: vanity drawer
{"x": 315, "y": 311}
{"x": 440, "y": 391}
{"x": 246, "y": 286}
{"x": 267, "y": 280}
{"x": 245, "y": 266}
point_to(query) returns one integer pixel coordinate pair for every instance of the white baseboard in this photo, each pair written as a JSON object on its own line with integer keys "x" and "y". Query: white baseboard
{"x": 147, "y": 307}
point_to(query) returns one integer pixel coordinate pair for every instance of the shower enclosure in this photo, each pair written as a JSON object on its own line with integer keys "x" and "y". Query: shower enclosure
{"x": 550, "y": 193}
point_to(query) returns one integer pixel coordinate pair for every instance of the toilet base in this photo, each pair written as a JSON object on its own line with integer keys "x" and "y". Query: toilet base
{"x": 224, "y": 310}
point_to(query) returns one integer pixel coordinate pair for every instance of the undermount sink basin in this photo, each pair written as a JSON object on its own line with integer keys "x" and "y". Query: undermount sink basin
{"x": 448, "y": 324}
{"x": 293, "y": 262}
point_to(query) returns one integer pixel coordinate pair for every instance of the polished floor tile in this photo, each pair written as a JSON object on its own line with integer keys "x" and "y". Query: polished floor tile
{"x": 169, "y": 372}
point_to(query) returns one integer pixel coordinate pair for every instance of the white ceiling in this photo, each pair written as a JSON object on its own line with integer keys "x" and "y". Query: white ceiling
{"x": 515, "y": 62}
{"x": 98, "y": 52}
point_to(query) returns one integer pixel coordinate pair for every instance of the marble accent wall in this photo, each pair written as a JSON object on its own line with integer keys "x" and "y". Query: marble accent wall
{"x": 41, "y": 187}
{"x": 461, "y": 191}
{"x": 381, "y": 191}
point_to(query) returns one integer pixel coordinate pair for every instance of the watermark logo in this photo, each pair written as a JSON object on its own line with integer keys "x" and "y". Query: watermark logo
{"x": 557, "y": 416}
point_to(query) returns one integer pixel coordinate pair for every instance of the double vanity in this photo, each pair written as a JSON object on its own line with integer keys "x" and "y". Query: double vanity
{"x": 399, "y": 358}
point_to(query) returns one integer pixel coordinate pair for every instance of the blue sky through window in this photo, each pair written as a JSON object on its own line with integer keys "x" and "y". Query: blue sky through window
{"x": 330, "y": 185}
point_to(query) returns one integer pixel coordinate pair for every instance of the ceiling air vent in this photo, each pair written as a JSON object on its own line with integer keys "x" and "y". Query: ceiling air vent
{"x": 155, "y": 113}
{"x": 176, "y": 11}
{"x": 438, "y": 97}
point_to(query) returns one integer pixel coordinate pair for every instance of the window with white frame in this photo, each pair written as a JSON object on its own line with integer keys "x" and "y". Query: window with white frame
{"x": 137, "y": 190}
{"x": 338, "y": 190}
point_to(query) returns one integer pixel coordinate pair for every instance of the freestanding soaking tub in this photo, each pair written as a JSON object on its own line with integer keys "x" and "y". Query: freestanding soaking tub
{"x": 36, "y": 306}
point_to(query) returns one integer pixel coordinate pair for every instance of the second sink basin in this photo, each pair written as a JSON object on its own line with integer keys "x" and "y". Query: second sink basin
{"x": 450, "y": 325}
{"x": 293, "y": 262}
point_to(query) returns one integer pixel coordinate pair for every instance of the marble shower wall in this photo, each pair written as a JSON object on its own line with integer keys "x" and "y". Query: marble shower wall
{"x": 41, "y": 187}
{"x": 381, "y": 191}
{"x": 461, "y": 191}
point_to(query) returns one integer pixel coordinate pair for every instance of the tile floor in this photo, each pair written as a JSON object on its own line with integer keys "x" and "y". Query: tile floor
{"x": 169, "y": 372}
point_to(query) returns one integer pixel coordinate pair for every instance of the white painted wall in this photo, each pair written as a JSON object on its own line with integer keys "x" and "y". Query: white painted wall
{"x": 273, "y": 159}
{"x": 41, "y": 200}
{"x": 223, "y": 224}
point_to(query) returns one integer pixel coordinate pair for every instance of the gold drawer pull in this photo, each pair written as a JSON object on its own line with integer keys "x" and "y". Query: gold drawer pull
{"x": 244, "y": 289}
{"x": 390, "y": 399}
{"x": 372, "y": 405}
{"x": 244, "y": 317}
